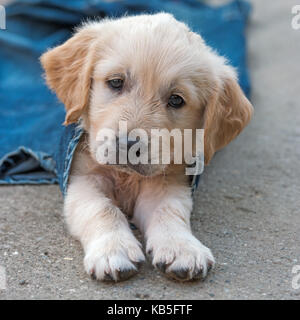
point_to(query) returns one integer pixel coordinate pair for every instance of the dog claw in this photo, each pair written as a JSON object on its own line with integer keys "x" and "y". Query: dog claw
{"x": 93, "y": 275}
{"x": 182, "y": 274}
{"x": 161, "y": 266}
{"x": 125, "y": 274}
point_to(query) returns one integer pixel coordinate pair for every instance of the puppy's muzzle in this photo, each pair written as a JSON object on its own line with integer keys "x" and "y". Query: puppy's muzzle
{"x": 134, "y": 152}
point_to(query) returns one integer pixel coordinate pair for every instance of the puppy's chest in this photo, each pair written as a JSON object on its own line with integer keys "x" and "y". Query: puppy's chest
{"x": 125, "y": 192}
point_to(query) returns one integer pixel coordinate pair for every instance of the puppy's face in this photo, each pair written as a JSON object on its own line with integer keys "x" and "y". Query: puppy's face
{"x": 150, "y": 72}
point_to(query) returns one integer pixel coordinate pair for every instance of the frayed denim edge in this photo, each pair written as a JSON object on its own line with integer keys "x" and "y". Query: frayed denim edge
{"x": 69, "y": 157}
{"x": 45, "y": 160}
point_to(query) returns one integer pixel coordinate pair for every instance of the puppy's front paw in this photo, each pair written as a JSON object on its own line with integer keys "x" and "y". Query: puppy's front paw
{"x": 113, "y": 257}
{"x": 182, "y": 258}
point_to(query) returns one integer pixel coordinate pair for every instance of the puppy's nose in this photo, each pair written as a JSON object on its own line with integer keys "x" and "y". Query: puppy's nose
{"x": 131, "y": 142}
{"x": 123, "y": 141}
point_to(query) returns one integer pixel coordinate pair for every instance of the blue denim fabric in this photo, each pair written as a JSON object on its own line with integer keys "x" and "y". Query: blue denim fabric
{"x": 31, "y": 116}
{"x": 64, "y": 154}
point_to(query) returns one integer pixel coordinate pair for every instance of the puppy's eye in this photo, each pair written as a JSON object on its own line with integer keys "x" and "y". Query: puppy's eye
{"x": 116, "y": 84}
{"x": 176, "y": 101}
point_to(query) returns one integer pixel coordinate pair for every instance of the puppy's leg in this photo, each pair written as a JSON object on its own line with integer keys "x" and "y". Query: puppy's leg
{"x": 111, "y": 250}
{"x": 163, "y": 214}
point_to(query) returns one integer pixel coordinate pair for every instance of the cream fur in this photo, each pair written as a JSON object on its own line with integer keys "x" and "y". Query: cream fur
{"x": 157, "y": 56}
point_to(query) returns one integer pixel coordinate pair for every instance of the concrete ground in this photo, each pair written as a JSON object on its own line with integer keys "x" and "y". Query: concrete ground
{"x": 247, "y": 207}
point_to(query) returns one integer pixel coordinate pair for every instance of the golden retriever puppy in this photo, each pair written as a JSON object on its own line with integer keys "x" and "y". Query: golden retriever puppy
{"x": 151, "y": 72}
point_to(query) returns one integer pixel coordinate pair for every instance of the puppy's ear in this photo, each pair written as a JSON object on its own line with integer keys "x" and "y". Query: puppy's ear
{"x": 68, "y": 70}
{"x": 226, "y": 115}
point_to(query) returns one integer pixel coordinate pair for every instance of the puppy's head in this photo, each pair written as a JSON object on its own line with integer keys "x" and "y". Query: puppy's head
{"x": 151, "y": 72}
